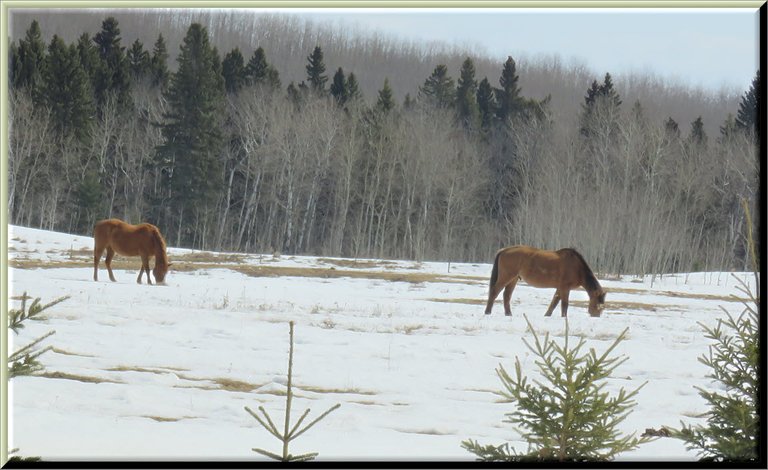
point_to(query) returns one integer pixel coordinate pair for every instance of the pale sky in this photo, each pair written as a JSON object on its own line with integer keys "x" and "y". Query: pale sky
{"x": 712, "y": 48}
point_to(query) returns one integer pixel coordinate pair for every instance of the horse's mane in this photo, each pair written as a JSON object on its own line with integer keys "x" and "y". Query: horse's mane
{"x": 590, "y": 280}
{"x": 160, "y": 255}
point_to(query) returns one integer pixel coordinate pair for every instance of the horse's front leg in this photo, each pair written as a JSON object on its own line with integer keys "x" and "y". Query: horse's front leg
{"x": 553, "y": 304}
{"x": 144, "y": 268}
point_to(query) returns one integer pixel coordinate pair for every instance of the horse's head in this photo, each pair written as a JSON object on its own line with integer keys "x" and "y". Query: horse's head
{"x": 160, "y": 271}
{"x": 597, "y": 303}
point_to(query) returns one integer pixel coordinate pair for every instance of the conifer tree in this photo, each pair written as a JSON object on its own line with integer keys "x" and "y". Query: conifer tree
{"x": 192, "y": 131}
{"x": 408, "y": 102}
{"x": 486, "y": 103}
{"x": 295, "y": 94}
{"x": 89, "y": 197}
{"x": 466, "y": 96}
{"x": 138, "y": 60}
{"x": 748, "y": 116}
{"x": 159, "y": 64}
{"x": 30, "y": 60}
{"x": 257, "y": 67}
{"x": 234, "y": 71}
{"x": 439, "y": 90}
{"x": 508, "y": 97}
{"x": 14, "y": 64}
{"x": 315, "y": 70}
{"x": 89, "y": 56}
{"x": 339, "y": 87}
{"x": 732, "y": 432}
{"x": 353, "y": 88}
{"x": 728, "y": 129}
{"x": 698, "y": 136}
{"x": 671, "y": 129}
{"x": 66, "y": 90}
{"x": 601, "y": 107}
{"x": 113, "y": 74}
{"x": 386, "y": 101}
{"x": 260, "y": 72}
{"x": 288, "y": 433}
{"x": 567, "y": 416}
{"x": 24, "y": 361}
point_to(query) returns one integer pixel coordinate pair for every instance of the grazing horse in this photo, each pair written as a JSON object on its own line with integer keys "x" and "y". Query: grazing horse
{"x": 143, "y": 240}
{"x": 564, "y": 269}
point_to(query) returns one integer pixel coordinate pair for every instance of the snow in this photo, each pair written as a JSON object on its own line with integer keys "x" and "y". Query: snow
{"x": 144, "y": 372}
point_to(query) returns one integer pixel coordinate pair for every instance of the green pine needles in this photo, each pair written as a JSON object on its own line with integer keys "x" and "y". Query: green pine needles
{"x": 732, "y": 425}
{"x": 568, "y": 416}
{"x": 289, "y": 433}
{"x": 24, "y": 360}
{"x": 732, "y": 430}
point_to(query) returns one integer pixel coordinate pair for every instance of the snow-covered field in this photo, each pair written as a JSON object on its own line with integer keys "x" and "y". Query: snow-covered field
{"x": 163, "y": 372}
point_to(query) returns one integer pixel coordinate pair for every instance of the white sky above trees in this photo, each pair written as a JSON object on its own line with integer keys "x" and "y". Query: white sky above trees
{"x": 711, "y": 48}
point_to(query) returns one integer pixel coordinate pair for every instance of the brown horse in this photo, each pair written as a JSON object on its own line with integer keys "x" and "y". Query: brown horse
{"x": 563, "y": 269}
{"x": 143, "y": 240}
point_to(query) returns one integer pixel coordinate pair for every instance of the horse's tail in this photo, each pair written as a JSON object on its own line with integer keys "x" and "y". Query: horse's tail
{"x": 495, "y": 270}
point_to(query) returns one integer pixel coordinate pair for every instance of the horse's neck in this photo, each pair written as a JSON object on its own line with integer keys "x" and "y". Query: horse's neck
{"x": 590, "y": 284}
{"x": 160, "y": 255}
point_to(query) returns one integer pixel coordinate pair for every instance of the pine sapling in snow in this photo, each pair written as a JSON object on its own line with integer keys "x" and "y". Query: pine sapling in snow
{"x": 732, "y": 429}
{"x": 24, "y": 360}
{"x": 567, "y": 416}
{"x": 289, "y": 433}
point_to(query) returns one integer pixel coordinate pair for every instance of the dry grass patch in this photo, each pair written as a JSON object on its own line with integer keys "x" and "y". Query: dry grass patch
{"x": 332, "y": 273}
{"x": 77, "y": 377}
{"x": 428, "y": 432}
{"x": 138, "y": 369}
{"x": 232, "y": 385}
{"x": 315, "y": 389}
{"x": 69, "y": 353}
{"x": 355, "y": 263}
{"x": 460, "y": 301}
{"x": 207, "y": 257}
{"x": 162, "y": 419}
{"x": 28, "y": 263}
{"x": 720, "y": 298}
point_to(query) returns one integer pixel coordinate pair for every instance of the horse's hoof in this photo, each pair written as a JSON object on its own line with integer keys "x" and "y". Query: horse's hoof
{"x": 509, "y": 314}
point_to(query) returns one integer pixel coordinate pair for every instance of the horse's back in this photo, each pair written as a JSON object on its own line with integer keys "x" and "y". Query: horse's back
{"x": 126, "y": 239}
{"x": 537, "y": 267}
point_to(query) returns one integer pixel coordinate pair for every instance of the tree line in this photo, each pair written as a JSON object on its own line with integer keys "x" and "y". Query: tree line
{"x": 222, "y": 155}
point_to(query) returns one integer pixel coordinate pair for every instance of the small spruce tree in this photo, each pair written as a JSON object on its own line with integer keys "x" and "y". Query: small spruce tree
{"x": 315, "y": 70}
{"x": 289, "y": 433}
{"x": 732, "y": 430}
{"x": 567, "y": 416}
{"x": 386, "y": 101}
{"x": 24, "y": 360}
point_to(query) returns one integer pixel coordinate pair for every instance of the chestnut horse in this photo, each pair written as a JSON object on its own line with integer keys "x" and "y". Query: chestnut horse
{"x": 564, "y": 269}
{"x": 143, "y": 240}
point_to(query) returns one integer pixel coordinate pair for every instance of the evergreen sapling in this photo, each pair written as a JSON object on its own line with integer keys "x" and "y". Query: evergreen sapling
{"x": 568, "y": 416}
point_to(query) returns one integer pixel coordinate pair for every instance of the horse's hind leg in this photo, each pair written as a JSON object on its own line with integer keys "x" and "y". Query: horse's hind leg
{"x": 553, "y": 304}
{"x": 493, "y": 292}
{"x": 564, "y": 302}
{"x": 508, "y": 295}
{"x": 108, "y": 262}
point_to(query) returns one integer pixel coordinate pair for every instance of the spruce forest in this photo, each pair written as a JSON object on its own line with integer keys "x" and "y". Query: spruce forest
{"x": 247, "y": 133}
